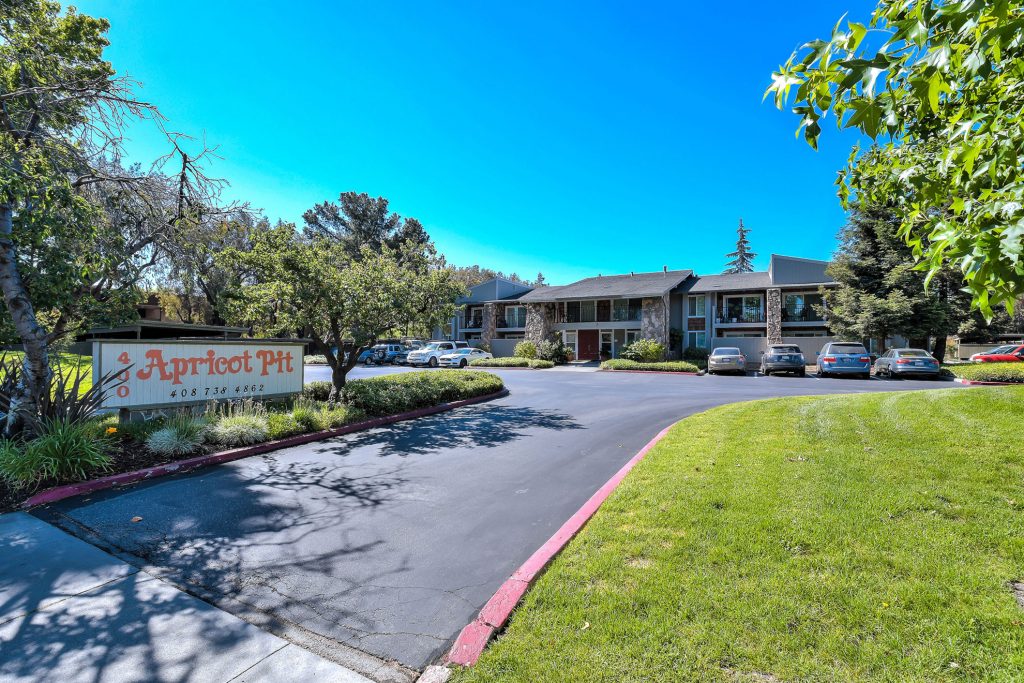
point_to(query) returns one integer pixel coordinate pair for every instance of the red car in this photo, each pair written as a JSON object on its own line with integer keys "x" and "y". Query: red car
{"x": 1015, "y": 353}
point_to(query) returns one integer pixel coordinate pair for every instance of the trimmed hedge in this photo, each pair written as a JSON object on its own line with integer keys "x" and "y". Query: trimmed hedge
{"x": 989, "y": 372}
{"x": 512, "y": 362}
{"x": 667, "y": 366}
{"x": 399, "y": 393}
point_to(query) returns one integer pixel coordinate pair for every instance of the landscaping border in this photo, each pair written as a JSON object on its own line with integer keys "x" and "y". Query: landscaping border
{"x": 473, "y": 638}
{"x": 69, "y": 490}
{"x": 653, "y": 372}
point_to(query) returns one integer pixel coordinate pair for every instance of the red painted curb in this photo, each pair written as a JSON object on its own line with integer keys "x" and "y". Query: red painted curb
{"x": 68, "y": 490}
{"x": 959, "y": 380}
{"x": 472, "y": 640}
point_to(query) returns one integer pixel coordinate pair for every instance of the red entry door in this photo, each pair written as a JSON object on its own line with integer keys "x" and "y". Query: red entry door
{"x": 589, "y": 346}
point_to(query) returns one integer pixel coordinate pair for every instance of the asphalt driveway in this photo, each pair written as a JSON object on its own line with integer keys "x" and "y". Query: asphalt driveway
{"x": 389, "y": 541}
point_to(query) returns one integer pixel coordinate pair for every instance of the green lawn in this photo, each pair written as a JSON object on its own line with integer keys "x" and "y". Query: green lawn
{"x": 66, "y": 361}
{"x": 853, "y": 538}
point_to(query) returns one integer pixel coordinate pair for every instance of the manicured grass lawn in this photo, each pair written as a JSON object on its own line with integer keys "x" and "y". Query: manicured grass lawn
{"x": 853, "y": 538}
{"x": 68, "y": 362}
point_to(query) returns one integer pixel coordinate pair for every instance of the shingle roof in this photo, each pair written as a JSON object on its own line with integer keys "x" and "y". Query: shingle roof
{"x": 635, "y": 285}
{"x": 718, "y": 283}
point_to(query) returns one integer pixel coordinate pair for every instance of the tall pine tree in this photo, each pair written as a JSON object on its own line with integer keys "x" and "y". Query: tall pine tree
{"x": 742, "y": 259}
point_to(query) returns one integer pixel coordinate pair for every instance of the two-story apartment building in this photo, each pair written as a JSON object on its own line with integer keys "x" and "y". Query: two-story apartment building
{"x": 599, "y": 316}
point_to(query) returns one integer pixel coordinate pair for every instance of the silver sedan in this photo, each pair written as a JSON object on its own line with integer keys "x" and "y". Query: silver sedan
{"x": 907, "y": 363}
{"x": 727, "y": 359}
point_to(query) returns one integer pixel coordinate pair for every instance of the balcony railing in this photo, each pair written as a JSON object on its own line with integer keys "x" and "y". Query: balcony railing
{"x": 474, "y": 323}
{"x": 741, "y": 317}
{"x": 801, "y": 314}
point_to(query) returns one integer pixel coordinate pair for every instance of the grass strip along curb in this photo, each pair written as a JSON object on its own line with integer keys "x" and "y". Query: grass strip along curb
{"x": 68, "y": 490}
{"x": 473, "y": 638}
{"x": 870, "y": 537}
{"x": 988, "y": 373}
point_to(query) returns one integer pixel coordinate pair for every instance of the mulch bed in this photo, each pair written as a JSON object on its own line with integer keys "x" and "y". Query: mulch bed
{"x": 130, "y": 456}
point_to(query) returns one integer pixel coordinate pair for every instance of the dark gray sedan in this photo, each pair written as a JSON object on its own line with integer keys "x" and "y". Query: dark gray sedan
{"x": 783, "y": 358}
{"x": 907, "y": 363}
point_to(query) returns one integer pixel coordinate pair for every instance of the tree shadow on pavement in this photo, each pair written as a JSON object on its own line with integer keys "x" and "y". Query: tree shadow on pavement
{"x": 472, "y": 427}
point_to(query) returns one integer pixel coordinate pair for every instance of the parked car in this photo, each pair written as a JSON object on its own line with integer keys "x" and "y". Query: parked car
{"x": 997, "y": 350}
{"x": 727, "y": 359}
{"x": 431, "y": 353}
{"x": 381, "y": 354}
{"x": 906, "y": 363}
{"x": 783, "y": 358}
{"x": 1014, "y": 354}
{"x": 844, "y": 358}
{"x": 460, "y": 358}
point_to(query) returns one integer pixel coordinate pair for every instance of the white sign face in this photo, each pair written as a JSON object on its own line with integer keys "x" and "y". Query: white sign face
{"x": 169, "y": 373}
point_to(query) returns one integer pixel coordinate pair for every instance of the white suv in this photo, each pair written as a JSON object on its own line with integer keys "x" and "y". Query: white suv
{"x": 431, "y": 353}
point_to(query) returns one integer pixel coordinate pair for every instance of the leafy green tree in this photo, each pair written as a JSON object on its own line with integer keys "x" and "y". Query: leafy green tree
{"x": 742, "y": 259}
{"x": 313, "y": 285}
{"x": 939, "y": 86}
{"x": 77, "y": 231}
{"x": 358, "y": 220}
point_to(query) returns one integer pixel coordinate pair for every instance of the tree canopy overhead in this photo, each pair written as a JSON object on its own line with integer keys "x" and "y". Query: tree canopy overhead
{"x": 939, "y": 88}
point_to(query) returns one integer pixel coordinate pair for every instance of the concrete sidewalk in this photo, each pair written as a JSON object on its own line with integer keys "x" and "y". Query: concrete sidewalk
{"x": 71, "y": 612}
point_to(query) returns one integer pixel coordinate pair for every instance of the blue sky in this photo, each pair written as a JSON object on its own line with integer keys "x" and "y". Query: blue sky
{"x": 567, "y": 138}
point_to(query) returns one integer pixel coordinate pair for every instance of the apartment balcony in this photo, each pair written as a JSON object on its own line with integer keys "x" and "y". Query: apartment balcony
{"x": 795, "y": 315}
{"x": 473, "y": 323}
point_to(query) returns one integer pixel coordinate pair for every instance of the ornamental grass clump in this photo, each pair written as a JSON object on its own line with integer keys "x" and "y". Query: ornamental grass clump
{"x": 61, "y": 451}
{"x": 241, "y": 423}
{"x": 181, "y": 434}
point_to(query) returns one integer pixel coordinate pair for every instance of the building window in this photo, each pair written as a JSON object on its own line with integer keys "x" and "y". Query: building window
{"x": 697, "y": 340}
{"x": 632, "y": 336}
{"x": 572, "y": 311}
{"x": 606, "y": 344}
{"x": 588, "y": 311}
{"x": 743, "y": 309}
{"x": 801, "y": 308}
{"x": 624, "y": 310}
{"x": 696, "y": 306}
{"x": 515, "y": 316}
{"x": 569, "y": 339}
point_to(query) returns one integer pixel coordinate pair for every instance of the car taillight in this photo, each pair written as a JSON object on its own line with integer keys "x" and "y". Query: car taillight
{"x": 864, "y": 359}
{"x": 829, "y": 359}
{"x": 903, "y": 361}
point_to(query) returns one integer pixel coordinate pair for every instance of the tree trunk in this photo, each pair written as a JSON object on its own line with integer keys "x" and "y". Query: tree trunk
{"x": 940, "y": 348}
{"x": 35, "y": 378}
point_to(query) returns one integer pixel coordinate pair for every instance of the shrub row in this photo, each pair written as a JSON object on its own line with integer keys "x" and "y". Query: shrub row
{"x": 390, "y": 394}
{"x": 989, "y": 372}
{"x": 667, "y": 366}
{"x": 512, "y": 362}
{"x": 73, "y": 451}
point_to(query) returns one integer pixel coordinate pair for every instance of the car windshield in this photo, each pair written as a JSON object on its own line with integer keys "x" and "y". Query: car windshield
{"x": 912, "y": 353}
{"x": 1002, "y": 349}
{"x": 847, "y": 348}
{"x": 726, "y": 351}
{"x": 784, "y": 349}
{"x": 432, "y": 347}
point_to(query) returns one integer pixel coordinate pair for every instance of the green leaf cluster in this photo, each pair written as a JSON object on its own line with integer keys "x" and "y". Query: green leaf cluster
{"x": 939, "y": 88}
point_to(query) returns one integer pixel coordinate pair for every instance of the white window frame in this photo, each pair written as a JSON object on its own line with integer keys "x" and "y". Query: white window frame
{"x": 692, "y": 337}
{"x": 517, "y": 307}
{"x": 696, "y": 299}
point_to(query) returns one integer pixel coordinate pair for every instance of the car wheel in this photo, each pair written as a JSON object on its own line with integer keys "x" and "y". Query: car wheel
{"x": 433, "y": 362}
{"x": 866, "y": 375}
{"x": 463, "y": 363}
{"x": 821, "y": 374}
{"x": 766, "y": 372}
{"x": 802, "y": 373}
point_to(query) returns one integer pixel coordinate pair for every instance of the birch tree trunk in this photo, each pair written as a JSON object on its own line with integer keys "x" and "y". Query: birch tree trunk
{"x": 35, "y": 378}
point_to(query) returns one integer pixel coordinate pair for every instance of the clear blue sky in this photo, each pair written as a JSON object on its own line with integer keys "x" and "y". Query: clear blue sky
{"x": 569, "y": 138}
